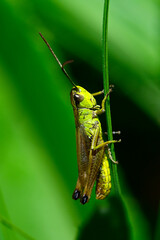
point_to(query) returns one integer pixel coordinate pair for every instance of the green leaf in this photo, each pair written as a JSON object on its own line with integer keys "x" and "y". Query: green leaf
{"x": 12, "y": 227}
{"x": 5, "y": 233}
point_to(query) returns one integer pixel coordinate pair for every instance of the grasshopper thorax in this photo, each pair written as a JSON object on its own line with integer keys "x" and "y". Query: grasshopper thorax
{"x": 81, "y": 98}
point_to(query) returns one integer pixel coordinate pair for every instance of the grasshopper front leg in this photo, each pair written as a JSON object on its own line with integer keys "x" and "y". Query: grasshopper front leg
{"x": 101, "y": 92}
{"x": 102, "y": 110}
{"x": 98, "y": 93}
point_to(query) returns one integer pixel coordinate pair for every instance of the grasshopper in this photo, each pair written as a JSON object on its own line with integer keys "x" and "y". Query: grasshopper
{"x": 92, "y": 160}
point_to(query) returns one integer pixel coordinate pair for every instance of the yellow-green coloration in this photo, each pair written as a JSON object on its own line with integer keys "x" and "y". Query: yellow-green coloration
{"x": 103, "y": 186}
{"x": 92, "y": 160}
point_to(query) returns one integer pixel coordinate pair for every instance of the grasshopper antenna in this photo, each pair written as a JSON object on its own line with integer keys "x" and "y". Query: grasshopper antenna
{"x": 61, "y": 65}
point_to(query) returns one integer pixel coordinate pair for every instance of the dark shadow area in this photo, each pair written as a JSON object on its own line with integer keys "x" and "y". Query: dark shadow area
{"x": 108, "y": 222}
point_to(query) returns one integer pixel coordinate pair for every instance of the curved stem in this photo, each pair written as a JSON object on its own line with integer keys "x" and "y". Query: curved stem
{"x": 11, "y": 226}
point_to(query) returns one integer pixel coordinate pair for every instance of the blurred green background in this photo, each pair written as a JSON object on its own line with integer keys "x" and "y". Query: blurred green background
{"x": 38, "y": 166}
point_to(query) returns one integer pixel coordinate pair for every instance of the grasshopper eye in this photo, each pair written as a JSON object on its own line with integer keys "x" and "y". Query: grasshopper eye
{"x": 78, "y": 98}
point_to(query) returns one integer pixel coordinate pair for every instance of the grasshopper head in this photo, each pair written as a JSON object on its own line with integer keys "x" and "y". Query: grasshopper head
{"x": 81, "y": 98}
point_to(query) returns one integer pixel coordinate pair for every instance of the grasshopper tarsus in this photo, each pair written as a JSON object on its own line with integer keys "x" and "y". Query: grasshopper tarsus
{"x": 111, "y": 86}
{"x": 114, "y": 132}
{"x": 84, "y": 199}
{"x": 76, "y": 194}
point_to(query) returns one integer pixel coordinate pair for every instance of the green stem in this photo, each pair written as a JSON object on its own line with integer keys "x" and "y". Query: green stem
{"x": 11, "y": 226}
{"x": 115, "y": 181}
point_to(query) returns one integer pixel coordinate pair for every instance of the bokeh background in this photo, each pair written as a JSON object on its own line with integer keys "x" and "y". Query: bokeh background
{"x": 38, "y": 166}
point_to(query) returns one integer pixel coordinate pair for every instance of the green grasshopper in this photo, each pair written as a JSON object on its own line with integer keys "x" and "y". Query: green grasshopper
{"x": 92, "y": 160}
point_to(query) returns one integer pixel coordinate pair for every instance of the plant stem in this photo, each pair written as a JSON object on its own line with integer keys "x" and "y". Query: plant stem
{"x": 115, "y": 181}
{"x": 11, "y": 226}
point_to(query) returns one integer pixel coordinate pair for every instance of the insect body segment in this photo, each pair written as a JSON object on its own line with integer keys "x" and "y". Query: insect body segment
{"x": 81, "y": 98}
{"x": 103, "y": 186}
